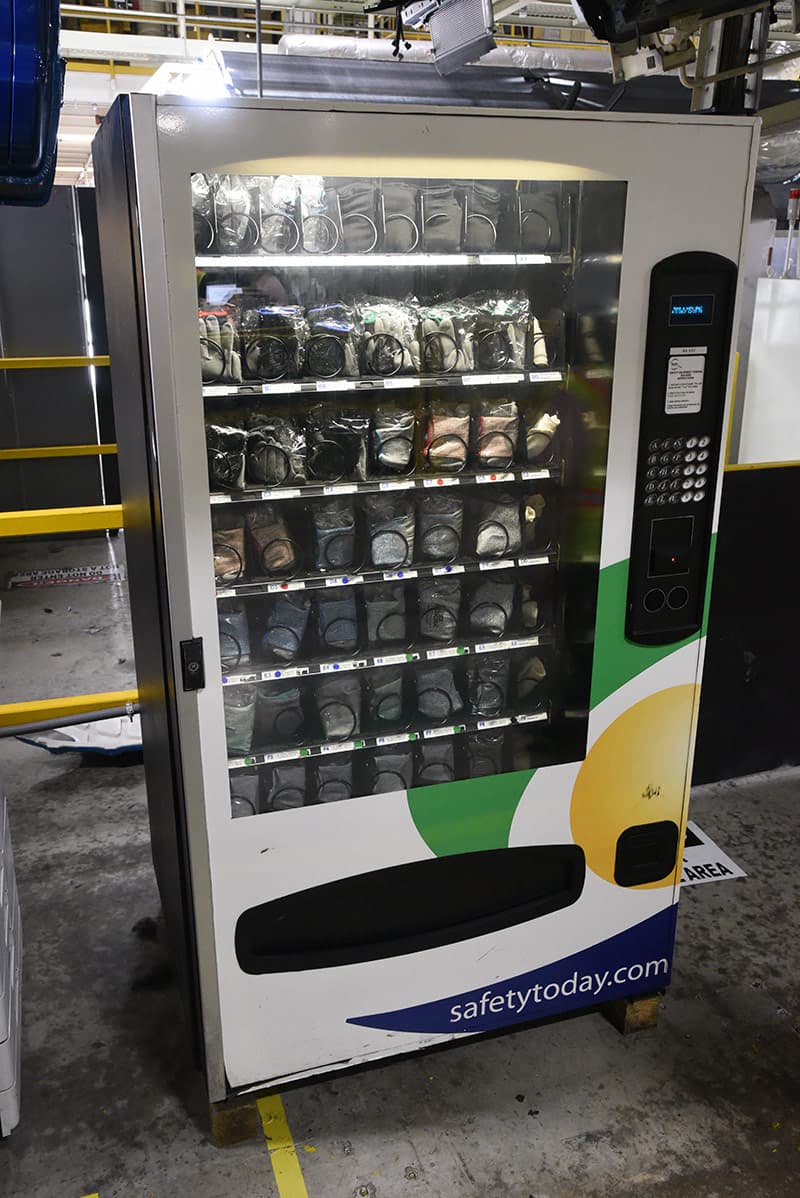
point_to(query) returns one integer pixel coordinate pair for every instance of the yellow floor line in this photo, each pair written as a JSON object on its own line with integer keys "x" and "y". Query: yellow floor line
{"x": 95, "y": 1195}
{"x": 282, "y": 1152}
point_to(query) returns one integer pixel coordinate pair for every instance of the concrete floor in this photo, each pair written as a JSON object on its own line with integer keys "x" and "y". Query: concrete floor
{"x": 707, "y": 1105}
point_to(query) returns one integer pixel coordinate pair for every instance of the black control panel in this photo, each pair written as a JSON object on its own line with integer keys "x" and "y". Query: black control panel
{"x": 680, "y": 441}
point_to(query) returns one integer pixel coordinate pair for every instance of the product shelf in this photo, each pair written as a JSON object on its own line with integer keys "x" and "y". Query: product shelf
{"x": 300, "y": 260}
{"x": 395, "y": 382}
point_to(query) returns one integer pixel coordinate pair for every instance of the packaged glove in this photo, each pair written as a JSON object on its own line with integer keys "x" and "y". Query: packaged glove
{"x": 227, "y": 537}
{"x": 234, "y": 634}
{"x": 390, "y": 530}
{"x": 436, "y": 763}
{"x": 594, "y": 349}
{"x": 234, "y": 215}
{"x": 273, "y": 340}
{"x": 391, "y": 768}
{"x": 483, "y": 212}
{"x": 487, "y": 684}
{"x": 390, "y": 337}
{"x": 358, "y": 209}
{"x": 271, "y": 549}
{"x": 399, "y": 217}
{"x": 337, "y": 444}
{"x": 386, "y": 613}
{"x": 442, "y": 219}
{"x": 530, "y": 673}
{"x": 286, "y": 626}
{"x": 333, "y": 777}
{"x": 203, "y": 213}
{"x": 239, "y": 703}
{"x": 279, "y": 229}
{"x": 540, "y": 352}
{"x": 220, "y": 360}
{"x": 319, "y": 216}
{"x": 485, "y": 753}
{"x": 439, "y": 605}
{"x": 490, "y": 608}
{"x": 384, "y": 697}
{"x": 498, "y": 433}
{"x": 332, "y": 346}
{"x": 539, "y": 436}
{"x": 533, "y": 533}
{"x": 438, "y": 698}
{"x": 392, "y": 441}
{"x": 529, "y": 608}
{"x": 441, "y": 518}
{"x": 499, "y": 532}
{"x": 244, "y": 793}
{"x": 446, "y": 333}
{"x": 334, "y": 534}
{"x": 279, "y": 715}
{"x": 276, "y": 452}
{"x": 284, "y": 786}
{"x": 539, "y": 218}
{"x": 338, "y": 700}
{"x": 337, "y": 621}
{"x": 501, "y": 327}
{"x": 447, "y": 439}
{"x": 225, "y": 451}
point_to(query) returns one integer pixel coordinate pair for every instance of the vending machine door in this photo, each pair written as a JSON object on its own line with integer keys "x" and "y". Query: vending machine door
{"x": 395, "y": 363}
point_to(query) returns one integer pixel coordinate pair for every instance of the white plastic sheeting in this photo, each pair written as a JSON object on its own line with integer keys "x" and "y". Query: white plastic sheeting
{"x": 10, "y": 981}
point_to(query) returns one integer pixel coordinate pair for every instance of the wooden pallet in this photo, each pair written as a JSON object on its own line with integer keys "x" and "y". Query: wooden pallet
{"x": 635, "y": 1014}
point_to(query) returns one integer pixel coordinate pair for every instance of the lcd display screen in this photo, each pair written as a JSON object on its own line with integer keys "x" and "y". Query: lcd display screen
{"x": 691, "y": 309}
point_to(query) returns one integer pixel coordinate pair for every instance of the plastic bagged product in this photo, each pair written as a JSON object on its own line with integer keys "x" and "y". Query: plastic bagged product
{"x": 529, "y": 607}
{"x": 227, "y": 535}
{"x": 236, "y": 228}
{"x": 501, "y": 326}
{"x": 386, "y": 613}
{"x": 279, "y": 715}
{"x": 399, "y": 211}
{"x": 436, "y": 763}
{"x": 279, "y": 228}
{"x": 490, "y": 607}
{"x": 442, "y": 219}
{"x": 438, "y": 698}
{"x": 487, "y": 684}
{"x": 441, "y": 518}
{"x": 499, "y": 531}
{"x": 392, "y": 441}
{"x": 390, "y": 337}
{"x": 333, "y": 777}
{"x": 539, "y": 436}
{"x": 273, "y": 338}
{"x": 225, "y": 452}
{"x": 319, "y": 216}
{"x": 498, "y": 433}
{"x": 540, "y": 218}
{"x": 203, "y": 213}
{"x": 483, "y": 211}
{"x": 284, "y": 786}
{"x": 532, "y": 533}
{"x": 270, "y": 547}
{"x": 530, "y": 673}
{"x": 390, "y": 530}
{"x": 334, "y": 534}
{"x": 338, "y": 702}
{"x": 337, "y": 620}
{"x": 220, "y": 360}
{"x": 239, "y": 703}
{"x": 276, "y": 452}
{"x": 286, "y": 626}
{"x": 439, "y": 605}
{"x": 485, "y": 753}
{"x": 391, "y": 768}
{"x": 358, "y": 213}
{"x": 332, "y": 347}
{"x": 337, "y": 444}
{"x": 540, "y": 351}
{"x": 234, "y": 634}
{"x": 244, "y": 793}
{"x": 384, "y": 696}
{"x": 447, "y": 439}
{"x": 446, "y": 334}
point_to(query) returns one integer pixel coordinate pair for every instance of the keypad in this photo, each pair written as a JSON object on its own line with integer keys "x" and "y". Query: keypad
{"x": 677, "y": 470}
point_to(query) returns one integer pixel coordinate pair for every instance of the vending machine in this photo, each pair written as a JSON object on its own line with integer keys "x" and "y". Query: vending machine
{"x": 420, "y": 413}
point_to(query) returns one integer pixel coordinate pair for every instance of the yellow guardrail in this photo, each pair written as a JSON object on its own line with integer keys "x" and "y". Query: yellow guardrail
{"x": 53, "y": 363}
{"x": 55, "y": 451}
{"x": 34, "y": 710}
{"x": 53, "y": 521}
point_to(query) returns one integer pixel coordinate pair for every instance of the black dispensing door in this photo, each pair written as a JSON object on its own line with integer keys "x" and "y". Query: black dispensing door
{"x": 683, "y": 403}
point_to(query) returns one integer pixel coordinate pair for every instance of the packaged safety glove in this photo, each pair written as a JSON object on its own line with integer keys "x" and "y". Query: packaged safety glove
{"x": 273, "y": 339}
{"x": 391, "y": 768}
{"x": 279, "y": 715}
{"x": 234, "y": 634}
{"x": 333, "y": 777}
{"x": 399, "y": 213}
{"x": 442, "y": 219}
{"x": 271, "y": 548}
{"x": 435, "y": 763}
{"x": 331, "y": 350}
{"x": 337, "y": 443}
{"x": 501, "y": 327}
{"x": 203, "y": 213}
{"x": 390, "y": 337}
{"x": 440, "y": 521}
{"x": 319, "y": 216}
{"x": 539, "y": 436}
{"x": 225, "y": 452}
{"x": 334, "y": 534}
{"x": 234, "y": 215}
{"x": 284, "y": 786}
{"x": 438, "y": 698}
{"x": 386, "y": 613}
{"x": 498, "y": 433}
{"x": 490, "y": 607}
{"x": 286, "y": 626}
{"x": 384, "y": 697}
{"x": 447, "y": 439}
{"x": 483, "y": 211}
{"x": 278, "y": 216}
{"x": 439, "y": 605}
{"x": 485, "y": 753}
{"x": 540, "y": 218}
{"x": 276, "y": 452}
{"x": 359, "y": 214}
{"x": 337, "y": 620}
{"x": 530, "y": 674}
{"x": 239, "y": 703}
{"x": 338, "y": 701}
{"x": 529, "y": 607}
{"x": 392, "y": 441}
{"x": 390, "y": 529}
{"x": 244, "y": 793}
{"x": 228, "y": 542}
{"x": 220, "y": 360}
{"x": 446, "y": 333}
{"x": 498, "y": 532}
{"x": 487, "y": 684}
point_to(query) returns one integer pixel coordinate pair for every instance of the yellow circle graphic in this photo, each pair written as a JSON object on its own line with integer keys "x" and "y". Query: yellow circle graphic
{"x": 634, "y": 775}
